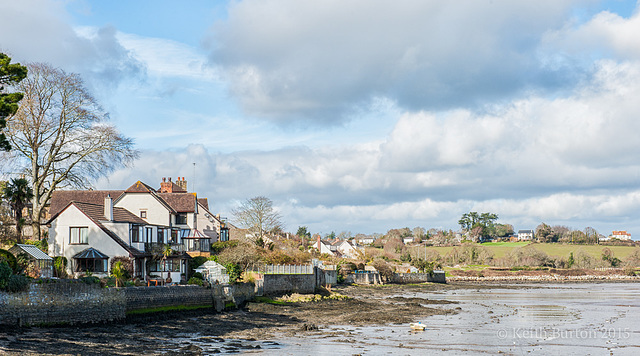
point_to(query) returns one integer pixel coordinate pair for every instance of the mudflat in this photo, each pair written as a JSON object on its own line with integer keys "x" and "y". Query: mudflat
{"x": 253, "y": 327}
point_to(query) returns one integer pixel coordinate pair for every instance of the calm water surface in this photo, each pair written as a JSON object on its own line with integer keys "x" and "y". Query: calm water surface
{"x": 549, "y": 319}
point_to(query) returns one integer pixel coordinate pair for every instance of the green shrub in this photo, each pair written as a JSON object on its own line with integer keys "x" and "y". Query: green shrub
{"x": 17, "y": 283}
{"x": 5, "y": 274}
{"x": 9, "y": 258}
{"x": 60, "y": 267}
{"x": 197, "y": 275}
{"x": 234, "y": 272}
{"x": 195, "y": 263}
{"x": 195, "y": 281}
{"x": 90, "y": 280}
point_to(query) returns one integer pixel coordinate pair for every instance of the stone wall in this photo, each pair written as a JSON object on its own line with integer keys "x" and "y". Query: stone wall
{"x": 63, "y": 302}
{"x": 404, "y": 278}
{"x": 275, "y": 284}
{"x": 73, "y": 302}
{"x": 155, "y": 297}
{"x": 364, "y": 278}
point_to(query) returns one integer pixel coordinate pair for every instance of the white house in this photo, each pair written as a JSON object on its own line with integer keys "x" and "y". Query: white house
{"x": 525, "y": 235}
{"x": 90, "y": 228}
{"x": 621, "y": 235}
{"x": 325, "y": 247}
{"x": 349, "y": 250}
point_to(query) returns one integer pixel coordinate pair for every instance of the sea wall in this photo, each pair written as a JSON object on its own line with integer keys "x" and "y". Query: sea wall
{"x": 63, "y": 302}
{"x": 73, "y": 302}
{"x": 155, "y": 297}
{"x": 289, "y": 283}
{"x": 363, "y": 278}
{"x": 407, "y": 278}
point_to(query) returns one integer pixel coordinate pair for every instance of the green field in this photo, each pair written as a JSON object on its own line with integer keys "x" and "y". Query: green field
{"x": 500, "y": 249}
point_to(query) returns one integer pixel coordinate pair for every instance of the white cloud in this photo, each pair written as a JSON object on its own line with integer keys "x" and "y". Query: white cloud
{"x": 320, "y": 60}
{"x": 536, "y": 159}
{"x": 39, "y": 31}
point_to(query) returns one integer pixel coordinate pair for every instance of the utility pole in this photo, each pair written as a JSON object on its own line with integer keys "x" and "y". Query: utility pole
{"x": 193, "y": 185}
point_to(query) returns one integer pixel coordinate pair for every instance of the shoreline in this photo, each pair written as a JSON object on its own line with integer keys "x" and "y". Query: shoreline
{"x": 546, "y": 278}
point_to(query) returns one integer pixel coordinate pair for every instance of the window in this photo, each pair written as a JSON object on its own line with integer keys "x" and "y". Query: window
{"x": 224, "y": 234}
{"x": 135, "y": 233}
{"x": 148, "y": 234}
{"x": 184, "y": 233}
{"x": 201, "y": 245}
{"x": 91, "y": 265}
{"x": 174, "y": 236}
{"x": 181, "y": 219}
{"x": 172, "y": 265}
{"x": 169, "y": 265}
{"x": 143, "y": 214}
{"x": 161, "y": 236}
{"x": 78, "y": 235}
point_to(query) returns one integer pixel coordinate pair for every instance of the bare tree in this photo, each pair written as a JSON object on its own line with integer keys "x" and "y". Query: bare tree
{"x": 259, "y": 217}
{"x": 60, "y": 136}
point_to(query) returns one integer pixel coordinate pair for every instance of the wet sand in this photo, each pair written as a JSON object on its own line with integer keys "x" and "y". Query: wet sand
{"x": 253, "y": 328}
{"x": 464, "y": 318}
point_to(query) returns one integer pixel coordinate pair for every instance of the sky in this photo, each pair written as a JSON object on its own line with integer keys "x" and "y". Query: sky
{"x": 366, "y": 115}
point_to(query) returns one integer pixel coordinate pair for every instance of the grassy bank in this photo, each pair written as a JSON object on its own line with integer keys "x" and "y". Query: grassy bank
{"x": 501, "y": 249}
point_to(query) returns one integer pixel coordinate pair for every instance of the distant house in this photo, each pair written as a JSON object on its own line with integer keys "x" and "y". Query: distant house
{"x": 408, "y": 240}
{"x": 368, "y": 240}
{"x": 326, "y": 247}
{"x": 349, "y": 249}
{"x": 90, "y": 228}
{"x": 620, "y": 235}
{"x": 525, "y": 235}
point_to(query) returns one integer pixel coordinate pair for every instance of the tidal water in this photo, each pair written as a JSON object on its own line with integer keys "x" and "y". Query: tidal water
{"x": 540, "y": 319}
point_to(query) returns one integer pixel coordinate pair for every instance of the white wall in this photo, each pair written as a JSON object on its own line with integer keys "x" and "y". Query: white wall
{"x": 97, "y": 238}
{"x": 157, "y": 214}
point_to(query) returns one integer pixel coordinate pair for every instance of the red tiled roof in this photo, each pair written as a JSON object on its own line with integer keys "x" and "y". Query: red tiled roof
{"x": 61, "y": 198}
{"x": 96, "y": 213}
{"x": 139, "y": 187}
{"x": 180, "y": 202}
{"x": 204, "y": 202}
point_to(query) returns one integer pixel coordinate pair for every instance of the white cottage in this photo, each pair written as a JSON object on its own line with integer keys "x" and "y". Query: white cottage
{"x": 89, "y": 228}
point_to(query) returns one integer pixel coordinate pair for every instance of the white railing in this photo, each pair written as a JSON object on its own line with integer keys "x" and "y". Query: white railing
{"x": 282, "y": 269}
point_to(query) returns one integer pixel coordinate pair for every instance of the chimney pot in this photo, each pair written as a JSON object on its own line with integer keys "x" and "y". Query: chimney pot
{"x": 169, "y": 179}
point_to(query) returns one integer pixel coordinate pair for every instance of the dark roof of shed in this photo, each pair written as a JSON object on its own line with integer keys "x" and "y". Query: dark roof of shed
{"x": 60, "y": 199}
{"x": 31, "y": 250}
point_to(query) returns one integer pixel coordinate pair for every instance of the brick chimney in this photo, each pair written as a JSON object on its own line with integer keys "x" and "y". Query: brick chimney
{"x": 166, "y": 187}
{"x": 182, "y": 183}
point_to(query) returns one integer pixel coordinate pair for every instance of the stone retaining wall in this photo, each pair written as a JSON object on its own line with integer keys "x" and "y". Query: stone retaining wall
{"x": 275, "y": 284}
{"x": 154, "y": 297}
{"x": 73, "y": 302}
{"x": 363, "y": 278}
{"x": 63, "y": 302}
{"x": 406, "y": 278}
